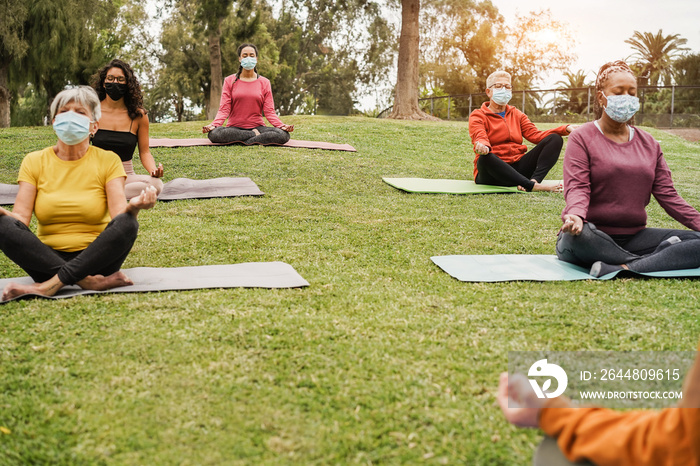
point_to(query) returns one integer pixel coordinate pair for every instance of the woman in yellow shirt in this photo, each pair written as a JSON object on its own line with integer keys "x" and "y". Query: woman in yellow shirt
{"x": 85, "y": 226}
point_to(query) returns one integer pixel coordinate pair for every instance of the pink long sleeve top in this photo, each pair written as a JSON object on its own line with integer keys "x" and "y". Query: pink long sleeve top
{"x": 243, "y": 104}
{"x": 609, "y": 184}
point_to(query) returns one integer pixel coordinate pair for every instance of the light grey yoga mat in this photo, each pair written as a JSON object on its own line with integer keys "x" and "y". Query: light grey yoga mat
{"x": 516, "y": 267}
{"x": 245, "y": 275}
{"x": 179, "y": 188}
{"x": 8, "y": 193}
{"x": 438, "y": 186}
{"x": 185, "y": 188}
{"x": 190, "y": 142}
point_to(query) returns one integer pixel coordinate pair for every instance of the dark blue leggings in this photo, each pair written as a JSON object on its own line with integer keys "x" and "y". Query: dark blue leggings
{"x": 104, "y": 256}
{"x": 645, "y": 251}
{"x": 229, "y": 134}
{"x": 533, "y": 165}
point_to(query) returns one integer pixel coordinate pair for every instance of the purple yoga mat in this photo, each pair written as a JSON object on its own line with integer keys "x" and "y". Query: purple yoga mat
{"x": 165, "y": 142}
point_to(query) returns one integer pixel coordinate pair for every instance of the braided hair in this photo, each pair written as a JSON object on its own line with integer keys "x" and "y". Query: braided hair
{"x": 617, "y": 66}
{"x": 239, "y": 51}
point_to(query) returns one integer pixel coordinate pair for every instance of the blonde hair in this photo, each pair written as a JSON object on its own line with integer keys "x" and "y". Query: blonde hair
{"x": 495, "y": 75}
{"x": 84, "y": 95}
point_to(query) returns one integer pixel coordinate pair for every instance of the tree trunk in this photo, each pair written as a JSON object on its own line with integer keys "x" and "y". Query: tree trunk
{"x": 216, "y": 73}
{"x": 407, "y": 80}
{"x": 4, "y": 96}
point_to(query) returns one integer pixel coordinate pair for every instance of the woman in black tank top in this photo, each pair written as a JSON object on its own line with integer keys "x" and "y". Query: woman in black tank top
{"x": 124, "y": 125}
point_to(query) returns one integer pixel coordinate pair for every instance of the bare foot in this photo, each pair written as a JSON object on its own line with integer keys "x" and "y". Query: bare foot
{"x": 101, "y": 283}
{"x": 549, "y": 186}
{"x": 12, "y": 290}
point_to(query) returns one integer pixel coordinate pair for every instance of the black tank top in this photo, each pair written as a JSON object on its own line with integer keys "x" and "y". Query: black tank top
{"x": 123, "y": 143}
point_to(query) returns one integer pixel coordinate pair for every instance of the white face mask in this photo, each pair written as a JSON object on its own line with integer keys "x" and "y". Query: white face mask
{"x": 501, "y": 96}
{"x": 621, "y": 108}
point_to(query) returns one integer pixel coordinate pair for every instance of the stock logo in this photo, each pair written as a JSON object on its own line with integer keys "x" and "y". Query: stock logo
{"x": 542, "y": 368}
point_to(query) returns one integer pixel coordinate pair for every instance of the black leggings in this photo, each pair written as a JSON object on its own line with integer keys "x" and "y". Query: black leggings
{"x": 104, "y": 256}
{"x": 646, "y": 251}
{"x": 229, "y": 134}
{"x": 533, "y": 165}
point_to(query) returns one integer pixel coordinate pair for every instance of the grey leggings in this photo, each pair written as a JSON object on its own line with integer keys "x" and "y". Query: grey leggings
{"x": 229, "y": 134}
{"x": 104, "y": 256}
{"x": 645, "y": 251}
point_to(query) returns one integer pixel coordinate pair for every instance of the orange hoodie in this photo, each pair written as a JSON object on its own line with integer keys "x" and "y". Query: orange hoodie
{"x": 504, "y": 135}
{"x": 635, "y": 438}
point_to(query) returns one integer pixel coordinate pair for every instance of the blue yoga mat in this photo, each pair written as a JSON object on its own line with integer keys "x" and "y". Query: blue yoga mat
{"x": 540, "y": 268}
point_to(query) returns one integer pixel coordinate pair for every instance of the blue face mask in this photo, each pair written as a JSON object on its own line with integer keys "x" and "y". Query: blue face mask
{"x": 501, "y": 96}
{"x": 621, "y": 108}
{"x": 71, "y": 128}
{"x": 248, "y": 63}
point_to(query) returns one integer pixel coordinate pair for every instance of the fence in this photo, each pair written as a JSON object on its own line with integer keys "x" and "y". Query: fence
{"x": 660, "y": 106}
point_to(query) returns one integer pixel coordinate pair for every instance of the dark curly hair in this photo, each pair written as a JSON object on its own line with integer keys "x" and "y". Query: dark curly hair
{"x": 239, "y": 51}
{"x": 617, "y": 66}
{"x": 133, "y": 98}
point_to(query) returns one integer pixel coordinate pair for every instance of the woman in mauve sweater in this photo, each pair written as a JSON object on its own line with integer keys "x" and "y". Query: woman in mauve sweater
{"x": 245, "y": 97}
{"x": 611, "y": 169}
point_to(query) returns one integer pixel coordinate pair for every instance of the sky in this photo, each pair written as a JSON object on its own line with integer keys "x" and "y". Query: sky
{"x": 602, "y": 26}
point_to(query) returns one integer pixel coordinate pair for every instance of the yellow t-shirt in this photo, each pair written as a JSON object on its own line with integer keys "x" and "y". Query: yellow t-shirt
{"x": 71, "y": 201}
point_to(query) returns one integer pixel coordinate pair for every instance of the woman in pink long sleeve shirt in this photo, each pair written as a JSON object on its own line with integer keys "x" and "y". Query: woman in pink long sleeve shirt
{"x": 611, "y": 170}
{"x": 246, "y": 96}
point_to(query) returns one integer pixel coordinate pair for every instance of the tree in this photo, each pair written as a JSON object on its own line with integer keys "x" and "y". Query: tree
{"x": 13, "y": 16}
{"x": 536, "y": 44}
{"x": 462, "y": 40}
{"x": 407, "y": 82}
{"x": 574, "y": 100}
{"x": 655, "y": 54}
{"x": 686, "y": 71}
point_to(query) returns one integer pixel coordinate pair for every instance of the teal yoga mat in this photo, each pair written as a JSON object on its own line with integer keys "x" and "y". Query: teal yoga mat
{"x": 540, "y": 268}
{"x": 436, "y": 186}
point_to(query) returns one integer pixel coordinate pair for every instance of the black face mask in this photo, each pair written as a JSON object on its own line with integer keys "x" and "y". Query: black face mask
{"x": 115, "y": 90}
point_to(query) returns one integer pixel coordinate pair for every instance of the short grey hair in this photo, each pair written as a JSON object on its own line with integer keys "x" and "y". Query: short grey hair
{"x": 84, "y": 95}
{"x": 491, "y": 80}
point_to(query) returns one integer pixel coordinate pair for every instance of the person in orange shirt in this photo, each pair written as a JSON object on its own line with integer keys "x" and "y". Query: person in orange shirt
{"x": 603, "y": 436}
{"x": 497, "y": 130}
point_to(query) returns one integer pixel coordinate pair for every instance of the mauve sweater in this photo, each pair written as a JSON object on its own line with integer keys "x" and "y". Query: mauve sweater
{"x": 243, "y": 104}
{"x": 609, "y": 184}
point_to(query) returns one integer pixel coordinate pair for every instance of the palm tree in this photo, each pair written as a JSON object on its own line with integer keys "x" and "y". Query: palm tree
{"x": 573, "y": 101}
{"x": 655, "y": 53}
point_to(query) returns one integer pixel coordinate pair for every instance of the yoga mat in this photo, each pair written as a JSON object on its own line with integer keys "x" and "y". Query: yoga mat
{"x": 179, "y": 188}
{"x": 540, "y": 268}
{"x": 428, "y": 186}
{"x": 245, "y": 275}
{"x": 8, "y": 193}
{"x": 165, "y": 142}
{"x": 185, "y": 188}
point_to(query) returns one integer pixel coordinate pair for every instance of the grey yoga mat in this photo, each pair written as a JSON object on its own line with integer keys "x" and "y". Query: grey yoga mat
{"x": 8, "y": 193}
{"x": 179, "y": 188}
{"x": 245, "y": 275}
{"x": 516, "y": 267}
{"x": 189, "y": 142}
{"x": 185, "y": 188}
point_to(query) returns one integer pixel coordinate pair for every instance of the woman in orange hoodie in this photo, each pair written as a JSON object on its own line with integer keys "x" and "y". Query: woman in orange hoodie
{"x": 497, "y": 130}
{"x": 604, "y": 436}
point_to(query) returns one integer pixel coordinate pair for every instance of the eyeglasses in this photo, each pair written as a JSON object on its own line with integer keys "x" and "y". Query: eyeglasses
{"x": 119, "y": 79}
{"x": 501, "y": 86}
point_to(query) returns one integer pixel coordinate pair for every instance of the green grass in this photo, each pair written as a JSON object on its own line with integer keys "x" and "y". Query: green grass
{"x": 383, "y": 359}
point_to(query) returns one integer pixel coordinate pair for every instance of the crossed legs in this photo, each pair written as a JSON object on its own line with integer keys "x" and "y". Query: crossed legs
{"x": 650, "y": 250}
{"x": 527, "y": 172}
{"x": 95, "y": 268}
{"x": 261, "y": 135}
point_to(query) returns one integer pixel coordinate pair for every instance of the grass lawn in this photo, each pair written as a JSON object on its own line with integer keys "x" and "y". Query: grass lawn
{"x": 383, "y": 359}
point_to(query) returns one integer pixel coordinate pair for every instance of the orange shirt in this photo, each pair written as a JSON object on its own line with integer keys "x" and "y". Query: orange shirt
{"x": 504, "y": 135}
{"x": 635, "y": 438}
